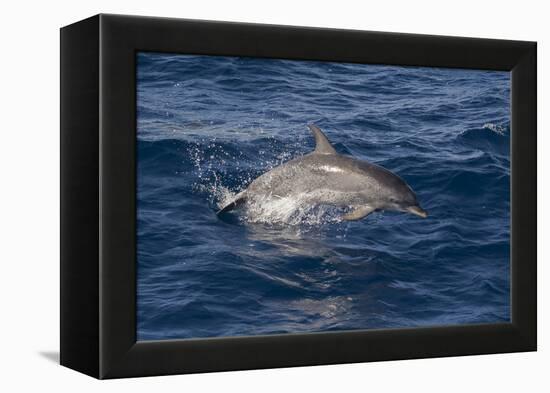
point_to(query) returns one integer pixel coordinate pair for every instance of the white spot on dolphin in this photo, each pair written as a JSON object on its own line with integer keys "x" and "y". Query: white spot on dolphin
{"x": 332, "y": 169}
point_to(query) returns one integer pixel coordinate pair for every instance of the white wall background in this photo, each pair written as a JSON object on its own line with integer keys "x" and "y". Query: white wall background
{"x": 29, "y": 194}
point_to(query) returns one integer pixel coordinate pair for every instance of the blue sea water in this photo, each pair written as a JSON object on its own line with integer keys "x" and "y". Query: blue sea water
{"x": 207, "y": 126}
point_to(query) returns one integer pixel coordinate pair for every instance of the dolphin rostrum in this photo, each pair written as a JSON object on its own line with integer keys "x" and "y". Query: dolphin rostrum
{"x": 324, "y": 177}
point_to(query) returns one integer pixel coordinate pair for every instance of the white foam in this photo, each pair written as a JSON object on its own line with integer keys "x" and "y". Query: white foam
{"x": 497, "y": 129}
{"x": 289, "y": 210}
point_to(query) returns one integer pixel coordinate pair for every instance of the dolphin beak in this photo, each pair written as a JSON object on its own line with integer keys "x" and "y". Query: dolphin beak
{"x": 417, "y": 211}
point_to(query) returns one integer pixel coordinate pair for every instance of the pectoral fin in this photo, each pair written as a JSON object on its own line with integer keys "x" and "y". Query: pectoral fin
{"x": 358, "y": 213}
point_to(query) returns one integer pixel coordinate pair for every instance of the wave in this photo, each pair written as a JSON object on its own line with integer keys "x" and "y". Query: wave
{"x": 491, "y": 137}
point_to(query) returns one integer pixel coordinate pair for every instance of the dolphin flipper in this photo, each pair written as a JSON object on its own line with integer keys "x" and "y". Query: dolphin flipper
{"x": 358, "y": 213}
{"x": 235, "y": 203}
{"x": 322, "y": 144}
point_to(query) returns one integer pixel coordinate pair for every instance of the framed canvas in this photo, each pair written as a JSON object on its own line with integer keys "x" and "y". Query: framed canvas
{"x": 240, "y": 196}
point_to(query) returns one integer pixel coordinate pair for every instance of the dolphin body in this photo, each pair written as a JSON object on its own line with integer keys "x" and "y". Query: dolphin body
{"x": 324, "y": 177}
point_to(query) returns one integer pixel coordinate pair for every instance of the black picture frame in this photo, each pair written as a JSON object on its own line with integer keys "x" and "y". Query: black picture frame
{"x": 98, "y": 196}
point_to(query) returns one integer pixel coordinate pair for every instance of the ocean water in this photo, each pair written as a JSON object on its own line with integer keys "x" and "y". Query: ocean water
{"x": 207, "y": 126}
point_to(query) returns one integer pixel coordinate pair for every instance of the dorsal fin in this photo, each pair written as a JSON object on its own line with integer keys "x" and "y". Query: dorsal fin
{"x": 322, "y": 144}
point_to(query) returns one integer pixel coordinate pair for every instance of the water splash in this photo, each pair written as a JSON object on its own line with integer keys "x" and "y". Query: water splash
{"x": 292, "y": 210}
{"x": 500, "y": 129}
{"x": 216, "y": 178}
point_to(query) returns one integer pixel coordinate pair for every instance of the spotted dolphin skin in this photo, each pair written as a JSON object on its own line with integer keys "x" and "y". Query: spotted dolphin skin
{"x": 324, "y": 177}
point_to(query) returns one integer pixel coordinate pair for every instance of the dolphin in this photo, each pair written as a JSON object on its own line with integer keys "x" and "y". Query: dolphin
{"x": 324, "y": 177}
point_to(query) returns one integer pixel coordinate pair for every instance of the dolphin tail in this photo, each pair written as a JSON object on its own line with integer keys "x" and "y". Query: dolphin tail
{"x": 235, "y": 203}
{"x": 322, "y": 144}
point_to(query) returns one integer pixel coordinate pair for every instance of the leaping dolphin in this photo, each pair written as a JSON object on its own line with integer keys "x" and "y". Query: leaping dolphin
{"x": 324, "y": 177}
